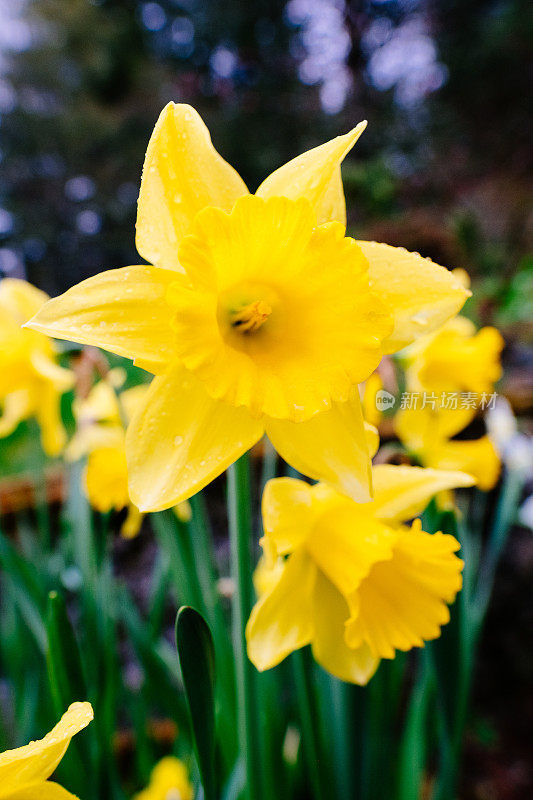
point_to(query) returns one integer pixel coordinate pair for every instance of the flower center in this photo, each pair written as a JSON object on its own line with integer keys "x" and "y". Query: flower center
{"x": 250, "y": 317}
{"x": 248, "y": 314}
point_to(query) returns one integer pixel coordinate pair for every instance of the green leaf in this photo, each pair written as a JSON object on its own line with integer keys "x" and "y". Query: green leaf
{"x": 196, "y": 654}
{"x": 68, "y": 685}
{"x": 65, "y": 670}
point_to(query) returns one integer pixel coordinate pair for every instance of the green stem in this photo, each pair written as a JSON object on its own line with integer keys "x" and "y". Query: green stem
{"x": 310, "y": 722}
{"x": 240, "y": 535}
{"x": 503, "y": 519}
{"x": 270, "y": 463}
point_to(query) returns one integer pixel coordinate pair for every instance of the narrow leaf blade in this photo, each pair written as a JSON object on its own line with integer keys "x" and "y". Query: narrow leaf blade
{"x": 196, "y": 656}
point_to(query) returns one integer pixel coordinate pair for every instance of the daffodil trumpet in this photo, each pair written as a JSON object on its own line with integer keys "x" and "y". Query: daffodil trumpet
{"x": 256, "y": 314}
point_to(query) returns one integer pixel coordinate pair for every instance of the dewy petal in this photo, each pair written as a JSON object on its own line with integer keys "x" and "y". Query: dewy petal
{"x": 402, "y": 601}
{"x": 316, "y": 175}
{"x": 182, "y": 174}
{"x": 330, "y": 614}
{"x": 40, "y": 791}
{"x": 180, "y": 439}
{"x": 419, "y": 294}
{"x": 281, "y": 621}
{"x": 288, "y": 513}
{"x": 402, "y": 492}
{"x": 331, "y": 447}
{"x": 121, "y": 310}
{"x": 36, "y": 761}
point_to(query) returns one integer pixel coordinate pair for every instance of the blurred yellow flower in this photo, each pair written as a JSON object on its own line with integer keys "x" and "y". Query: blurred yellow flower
{"x": 24, "y": 772}
{"x": 455, "y": 358}
{"x": 31, "y": 380}
{"x": 428, "y": 435}
{"x": 357, "y": 584}
{"x": 169, "y": 781}
{"x": 101, "y": 437}
{"x": 258, "y": 315}
{"x": 371, "y": 412}
{"x": 266, "y": 574}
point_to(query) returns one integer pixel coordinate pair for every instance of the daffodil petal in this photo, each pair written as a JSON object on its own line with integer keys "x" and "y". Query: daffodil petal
{"x": 106, "y": 478}
{"x": 181, "y": 439}
{"x": 132, "y": 524}
{"x": 423, "y": 430}
{"x": 372, "y": 439}
{"x": 92, "y": 437}
{"x": 330, "y": 614}
{"x": 331, "y": 446}
{"x": 16, "y": 407}
{"x": 281, "y": 620}
{"x": 419, "y": 294}
{"x": 346, "y": 541}
{"x": 48, "y": 413}
{"x": 316, "y": 175}
{"x": 100, "y": 405}
{"x": 121, "y": 310}
{"x": 182, "y": 174}
{"x": 62, "y": 379}
{"x": 402, "y": 492}
{"x": 20, "y": 299}
{"x": 288, "y": 513}
{"x": 478, "y": 457}
{"x": 43, "y": 791}
{"x": 36, "y": 761}
{"x": 402, "y": 601}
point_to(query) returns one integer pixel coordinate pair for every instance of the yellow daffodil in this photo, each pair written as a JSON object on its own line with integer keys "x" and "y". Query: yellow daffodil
{"x": 24, "y": 772}
{"x": 31, "y": 380}
{"x": 258, "y": 315}
{"x": 101, "y": 437}
{"x": 455, "y": 358}
{"x": 427, "y": 434}
{"x": 357, "y": 583}
{"x": 169, "y": 781}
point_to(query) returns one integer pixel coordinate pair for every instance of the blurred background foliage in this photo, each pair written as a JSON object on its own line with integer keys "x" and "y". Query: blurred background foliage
{"x": 445, "y": 168}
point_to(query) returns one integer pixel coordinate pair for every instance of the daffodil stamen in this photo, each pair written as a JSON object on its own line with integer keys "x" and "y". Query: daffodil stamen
{"x": 250, "y": 318}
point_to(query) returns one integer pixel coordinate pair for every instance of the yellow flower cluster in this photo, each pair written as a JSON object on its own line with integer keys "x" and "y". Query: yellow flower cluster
{"x": 258, "y": 315}
{"x": 455, "y": 359}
